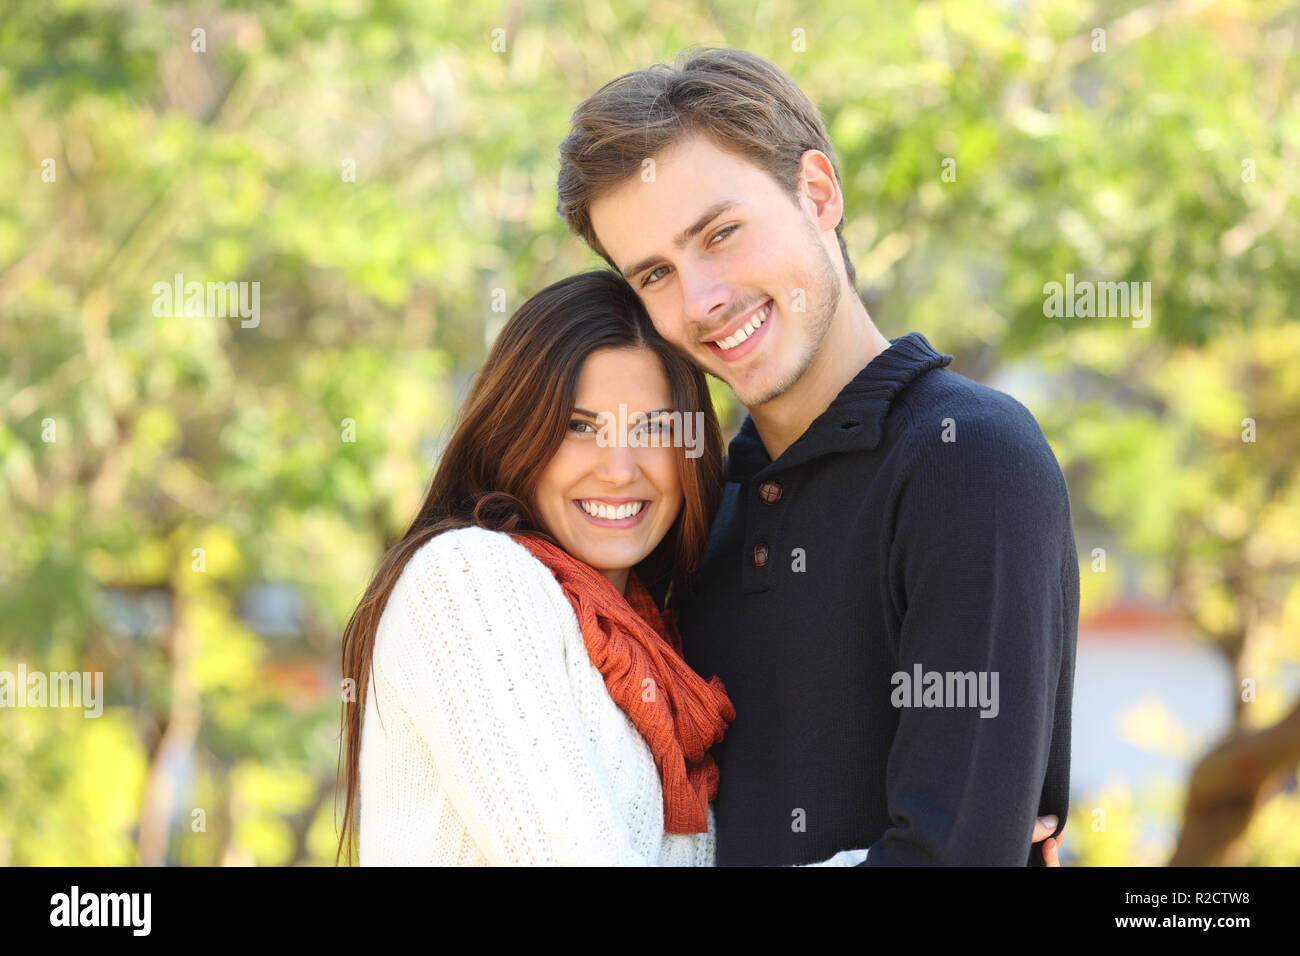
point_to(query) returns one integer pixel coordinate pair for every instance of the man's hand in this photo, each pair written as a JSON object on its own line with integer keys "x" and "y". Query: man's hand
{"x": 1043, "y": 828}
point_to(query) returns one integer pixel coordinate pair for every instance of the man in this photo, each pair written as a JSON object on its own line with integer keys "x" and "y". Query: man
{"x": 891, "y": 589}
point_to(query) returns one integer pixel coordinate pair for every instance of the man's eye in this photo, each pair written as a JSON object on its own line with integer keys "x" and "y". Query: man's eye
{"x": 650, "y": 279}
{"x": 720, "y": 234}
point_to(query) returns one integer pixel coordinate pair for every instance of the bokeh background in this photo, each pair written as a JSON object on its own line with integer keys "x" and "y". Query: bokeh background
{"x": 193, "y": 507}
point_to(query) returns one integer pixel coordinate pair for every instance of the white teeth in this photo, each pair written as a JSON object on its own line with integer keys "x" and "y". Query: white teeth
{"x": 615, "y": 513}
{"x": 745, "y": 331}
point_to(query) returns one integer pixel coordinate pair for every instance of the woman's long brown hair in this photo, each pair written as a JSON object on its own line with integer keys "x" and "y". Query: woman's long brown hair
{"x": 509, "y": 428}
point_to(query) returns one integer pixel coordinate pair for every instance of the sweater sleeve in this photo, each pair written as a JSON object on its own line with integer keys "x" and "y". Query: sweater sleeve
{"x": 470, "y": 647}
{"x": 983, "y": 575}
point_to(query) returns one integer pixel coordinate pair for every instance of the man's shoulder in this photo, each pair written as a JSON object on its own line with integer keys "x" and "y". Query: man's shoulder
{"x": 945, "y": 404}
{"x": 974, "y": 431}
{"x": 949, "y": 394}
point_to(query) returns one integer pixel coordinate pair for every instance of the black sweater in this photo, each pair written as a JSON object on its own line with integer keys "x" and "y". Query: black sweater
{"x": 921, "y": 524}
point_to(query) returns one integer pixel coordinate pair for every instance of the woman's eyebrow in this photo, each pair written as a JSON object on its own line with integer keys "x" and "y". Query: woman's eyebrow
{"x": 657, "y": 411}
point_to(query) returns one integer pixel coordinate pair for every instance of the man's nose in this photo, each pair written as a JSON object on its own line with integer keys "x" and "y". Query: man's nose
{"x": 704, "y": 296}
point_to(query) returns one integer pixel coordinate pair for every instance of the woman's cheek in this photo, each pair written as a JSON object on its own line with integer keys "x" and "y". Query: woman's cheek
{"x": 668, "y": 478}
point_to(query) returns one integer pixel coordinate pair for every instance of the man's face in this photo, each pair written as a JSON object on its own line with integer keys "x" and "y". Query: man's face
{"x": 750, "y": 292}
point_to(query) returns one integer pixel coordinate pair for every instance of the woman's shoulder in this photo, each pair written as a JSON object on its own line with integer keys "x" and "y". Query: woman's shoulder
{"x": 467, "y": 563}
{"x": 478, "y": 552}
{"x": 470, "y": 542}
{"x": 462, "y": 585}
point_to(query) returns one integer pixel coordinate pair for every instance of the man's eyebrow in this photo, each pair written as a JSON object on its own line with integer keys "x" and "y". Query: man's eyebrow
{"x": 687, "y": 234}
{"x": 657, "y": 411}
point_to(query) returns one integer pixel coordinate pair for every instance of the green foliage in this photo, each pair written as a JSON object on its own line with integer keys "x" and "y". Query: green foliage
{"x": 133, "y": 443}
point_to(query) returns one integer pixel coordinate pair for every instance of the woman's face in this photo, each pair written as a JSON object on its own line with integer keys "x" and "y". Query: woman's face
{"x": 598, "y": 475}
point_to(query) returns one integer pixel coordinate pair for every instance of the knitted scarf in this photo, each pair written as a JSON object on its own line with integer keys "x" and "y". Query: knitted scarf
{"x": 639, "y": 654}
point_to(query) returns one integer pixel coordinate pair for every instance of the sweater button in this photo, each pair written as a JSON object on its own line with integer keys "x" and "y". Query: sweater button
{"x": 758, "y": 556}
{"x": 770, "y": 491}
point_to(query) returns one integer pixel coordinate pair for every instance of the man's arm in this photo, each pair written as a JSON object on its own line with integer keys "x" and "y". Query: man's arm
{"x": 985, "y": 580}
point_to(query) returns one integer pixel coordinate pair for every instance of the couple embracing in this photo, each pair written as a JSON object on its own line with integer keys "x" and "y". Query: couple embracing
{"x": 601, "y": 642}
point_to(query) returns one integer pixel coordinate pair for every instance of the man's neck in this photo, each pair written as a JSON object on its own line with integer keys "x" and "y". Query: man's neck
{"x": 851, "y": 343}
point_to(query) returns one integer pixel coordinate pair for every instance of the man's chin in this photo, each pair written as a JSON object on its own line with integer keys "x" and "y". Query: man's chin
{"x": 770, "y": 386}
{"x": 753, "y": 398}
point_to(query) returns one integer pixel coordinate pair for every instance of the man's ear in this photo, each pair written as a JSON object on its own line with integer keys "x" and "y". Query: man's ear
{"x": 820, "y": 189}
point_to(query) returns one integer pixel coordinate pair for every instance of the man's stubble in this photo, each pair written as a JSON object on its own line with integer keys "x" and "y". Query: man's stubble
{"x": 826, "y": 291}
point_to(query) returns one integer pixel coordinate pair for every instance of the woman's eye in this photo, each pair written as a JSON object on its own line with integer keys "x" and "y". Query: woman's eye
{"x": 659, "y": 427}
{"x": 580, "y": 422}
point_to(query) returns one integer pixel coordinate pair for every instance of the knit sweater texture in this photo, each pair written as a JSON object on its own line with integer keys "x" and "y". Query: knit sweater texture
{"x": 893, "y": 606}
{"x": 489, "y": 736}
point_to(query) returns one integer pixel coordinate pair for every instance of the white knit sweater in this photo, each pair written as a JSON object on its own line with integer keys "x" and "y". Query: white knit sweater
{"x": 489, "y": 736}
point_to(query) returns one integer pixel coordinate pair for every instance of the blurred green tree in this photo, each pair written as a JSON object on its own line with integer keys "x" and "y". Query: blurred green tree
{"x": 385, "y": 174}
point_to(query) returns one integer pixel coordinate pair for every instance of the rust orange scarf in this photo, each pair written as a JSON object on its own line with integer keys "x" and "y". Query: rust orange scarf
{"x": 639, "y": 654}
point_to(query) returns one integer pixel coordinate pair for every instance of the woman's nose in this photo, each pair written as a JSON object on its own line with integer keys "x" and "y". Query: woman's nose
{"x": 617, "y": 462}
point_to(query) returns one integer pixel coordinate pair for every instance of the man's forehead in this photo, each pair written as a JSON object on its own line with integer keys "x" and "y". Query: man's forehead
{"x": 681, "y": 185}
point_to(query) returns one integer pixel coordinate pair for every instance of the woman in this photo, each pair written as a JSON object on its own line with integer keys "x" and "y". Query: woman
{"x": 504, "y": 724}
{"x": 525, "y": 698}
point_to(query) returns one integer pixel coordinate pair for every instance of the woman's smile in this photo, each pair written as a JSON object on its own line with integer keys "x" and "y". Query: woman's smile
{"x": 613, "y": 513}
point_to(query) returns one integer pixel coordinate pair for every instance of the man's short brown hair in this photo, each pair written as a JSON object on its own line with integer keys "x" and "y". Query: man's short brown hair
{"x": 743, "y": 103}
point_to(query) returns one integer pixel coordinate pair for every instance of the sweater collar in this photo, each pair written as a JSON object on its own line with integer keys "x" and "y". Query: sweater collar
{"x": 854, "y": 421}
